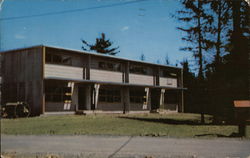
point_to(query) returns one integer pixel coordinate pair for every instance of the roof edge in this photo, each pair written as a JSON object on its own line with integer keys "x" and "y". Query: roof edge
{"x": 91, "y": 53}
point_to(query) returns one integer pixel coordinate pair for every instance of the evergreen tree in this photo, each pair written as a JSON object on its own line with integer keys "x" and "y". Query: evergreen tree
{"x": 142, "y": 57}
{"x": 195, "y": 19}
{"x": 102, "y": 45}
{"x": 237, "y": 61}
{"x": 196, "y": 23}
{"x": 167, "y": 62}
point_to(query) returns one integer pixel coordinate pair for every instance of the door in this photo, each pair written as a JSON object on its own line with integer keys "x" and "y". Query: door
{"x": 81, "y": 98}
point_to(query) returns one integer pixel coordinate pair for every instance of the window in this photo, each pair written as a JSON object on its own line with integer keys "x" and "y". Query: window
{"x": 171, "y": 98}
{"x": 109, "y": 95}
{"x": 58, "y": 59}
{"x": 101, "y": 65}
{"x": 110, "y": 66}
{"x": 166, "y": 73}
{"x": 137, "y": 96}
{"x": 57, "y": 94}
{"x": 138, "y": 69}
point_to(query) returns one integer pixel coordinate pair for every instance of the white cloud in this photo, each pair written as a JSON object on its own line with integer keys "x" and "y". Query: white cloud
{"x": 19, "y": 36}
{"x": 124, "y": 28}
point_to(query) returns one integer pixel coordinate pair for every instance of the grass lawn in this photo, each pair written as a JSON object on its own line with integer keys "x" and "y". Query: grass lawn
{"x": 172, "y": 125}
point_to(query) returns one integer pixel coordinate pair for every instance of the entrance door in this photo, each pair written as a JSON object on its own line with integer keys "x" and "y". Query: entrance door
{"x": 155, "y": 99}
{"x": 81, "y": 98}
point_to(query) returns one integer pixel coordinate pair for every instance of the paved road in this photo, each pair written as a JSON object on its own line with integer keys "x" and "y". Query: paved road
{"x": 116, "y": 146}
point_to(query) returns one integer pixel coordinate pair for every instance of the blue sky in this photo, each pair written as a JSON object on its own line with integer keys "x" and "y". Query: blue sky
{"x": 142, "y": 27}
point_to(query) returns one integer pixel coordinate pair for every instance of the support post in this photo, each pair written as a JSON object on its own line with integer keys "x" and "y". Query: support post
{"x": 74, "y": 97}
{"x": 126, "y": 99}
{"x": 42, "y": 80}
{"x": 67, "y": 103}
{"x": 88, "y": 97}
{"x": 162, "y": 97}
{"x": 126, "y": 73}
{"x": 145, "y": 103}
{"x": 96, "y": 94}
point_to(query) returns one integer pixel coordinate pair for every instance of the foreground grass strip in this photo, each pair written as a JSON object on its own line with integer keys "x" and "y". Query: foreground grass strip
{"x": 170, "y": 125}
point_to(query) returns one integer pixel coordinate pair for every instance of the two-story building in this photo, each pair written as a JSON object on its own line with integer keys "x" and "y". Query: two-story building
{"x": 54, "y": 79}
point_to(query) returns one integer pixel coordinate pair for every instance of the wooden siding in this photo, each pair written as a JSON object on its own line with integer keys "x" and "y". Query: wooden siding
{"x": 22, "y": 78}
{"x": 141, "y": 79}
{"x": 170, "y": 82}
{"x": 53, "y": 70}
{"x": 0, "y": 91}
{"x": 104, "y": 75}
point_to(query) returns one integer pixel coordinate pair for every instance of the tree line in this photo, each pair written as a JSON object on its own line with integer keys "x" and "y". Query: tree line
{"x": 217, "y": 34}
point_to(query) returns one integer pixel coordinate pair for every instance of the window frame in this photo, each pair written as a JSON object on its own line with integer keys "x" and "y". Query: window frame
{"x": 52, "y": 58}
{"x": 109, "y": 96}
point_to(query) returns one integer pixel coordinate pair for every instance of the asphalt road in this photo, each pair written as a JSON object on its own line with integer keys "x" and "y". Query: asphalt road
{"x": 124, "y": 146}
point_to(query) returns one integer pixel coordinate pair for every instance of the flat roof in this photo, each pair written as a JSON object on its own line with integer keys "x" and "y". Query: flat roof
{"x": 92, "y": 53}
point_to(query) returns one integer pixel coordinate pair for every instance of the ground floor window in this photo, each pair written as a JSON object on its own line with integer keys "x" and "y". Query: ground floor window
{"x": 171, "y": 98}
{"x": 57, "y": 93}
{"x": 137, "y": 96}
{"x": 109, "y": 95}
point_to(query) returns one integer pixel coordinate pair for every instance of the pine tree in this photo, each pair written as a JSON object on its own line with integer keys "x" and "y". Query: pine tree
{"x": 195, "y": 19}
{"x": 196, "y": 28}
{"x": 142, "y": 57}
{"x": 102, "y": 45}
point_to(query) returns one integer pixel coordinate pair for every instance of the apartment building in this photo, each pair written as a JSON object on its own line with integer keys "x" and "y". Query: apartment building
{"x": 52, "y": 80}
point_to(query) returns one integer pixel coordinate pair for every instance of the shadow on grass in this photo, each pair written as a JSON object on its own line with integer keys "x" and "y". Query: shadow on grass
{"x": 233, "y": 135}
{"x": 185, "y": 122}
{"x": 181, "y": 122}
{"x": 165, "y": 121}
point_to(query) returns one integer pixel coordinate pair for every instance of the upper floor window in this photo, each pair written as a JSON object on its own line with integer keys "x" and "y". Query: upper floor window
{"x": 166, "y": 73}
{"x": 58, "y": 59}
{"x": 109, "y": 66}
{"x": 137, "y": 69}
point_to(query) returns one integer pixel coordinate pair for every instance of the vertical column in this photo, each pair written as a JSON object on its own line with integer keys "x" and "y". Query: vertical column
{"x": 43, "y": 81}
{"x": 181, "y": 101}
{"x": 88, "y": 68}
{"x": 162, "y": 97}
{"x": 157, "y": 76}
{"x": 126, "y": 99}
{"x": 88, "y": 97}
{"x": 68, "y": 101}
{"x": 145, "y": 103}
{"x": 96, "y": 94}
{"x": 75, "y": 96}
{"x": 126, "y": 72}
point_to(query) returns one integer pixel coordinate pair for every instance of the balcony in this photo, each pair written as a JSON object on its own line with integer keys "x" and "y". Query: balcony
{"x": 141, "y": 79}
{"x": 105, "y": 75}
{"x": 62, "y": 71}
{"x": 169, "y": 82}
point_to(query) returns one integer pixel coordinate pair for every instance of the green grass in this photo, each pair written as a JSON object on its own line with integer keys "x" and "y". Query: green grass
{"x": 172, "y": 125}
